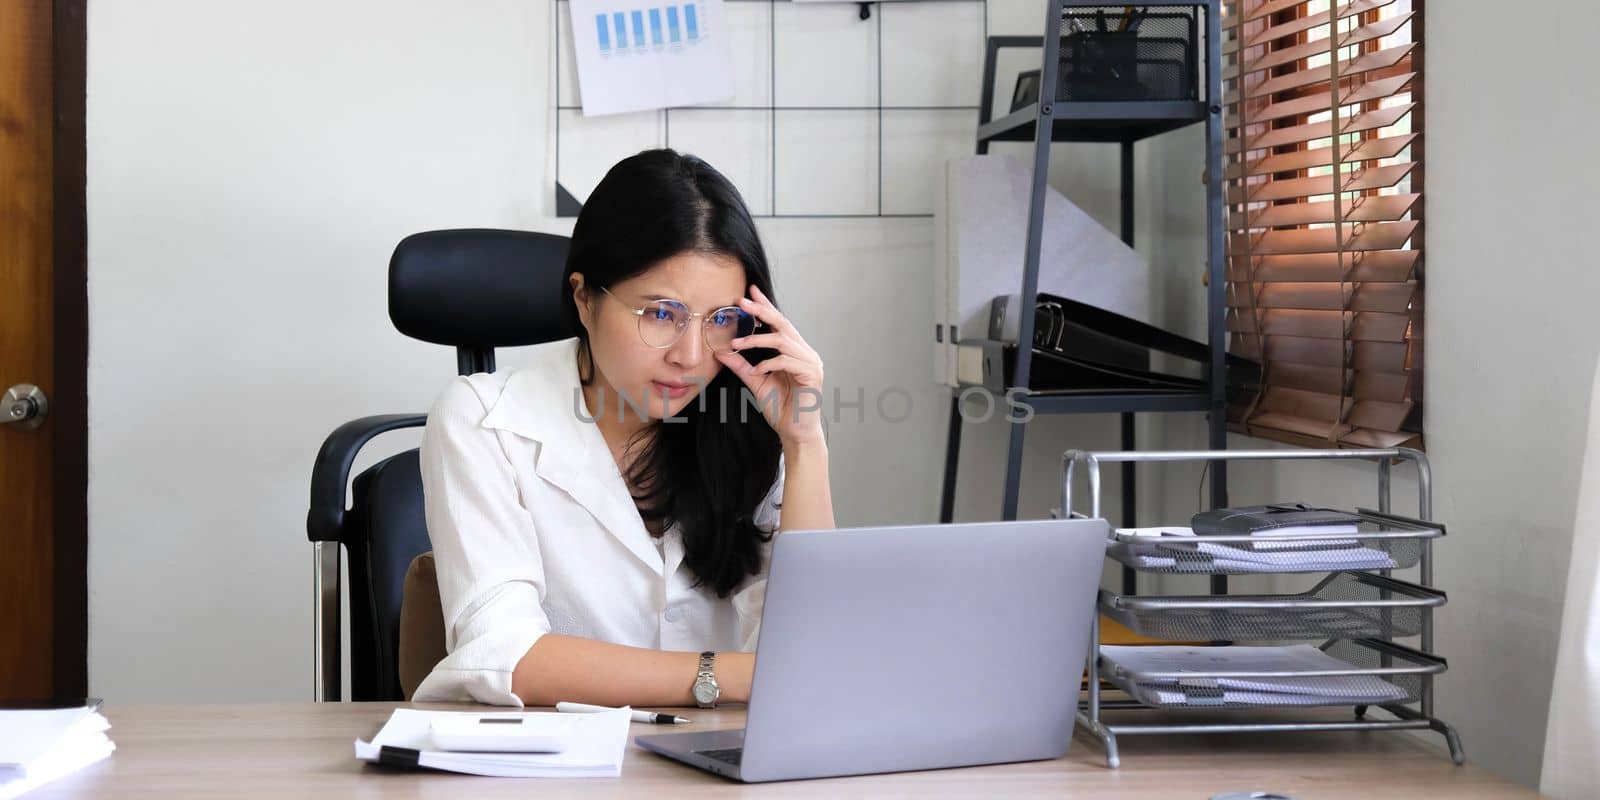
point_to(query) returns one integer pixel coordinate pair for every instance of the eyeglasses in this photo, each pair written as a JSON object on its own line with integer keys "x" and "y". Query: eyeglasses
{"x": 662, "y": 323}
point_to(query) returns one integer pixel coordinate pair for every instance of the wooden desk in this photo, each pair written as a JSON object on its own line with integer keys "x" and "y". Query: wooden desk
{"x": 304, "y": 750}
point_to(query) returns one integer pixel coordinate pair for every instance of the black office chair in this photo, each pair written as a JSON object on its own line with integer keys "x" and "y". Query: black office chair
{"x": 474, "y": 290}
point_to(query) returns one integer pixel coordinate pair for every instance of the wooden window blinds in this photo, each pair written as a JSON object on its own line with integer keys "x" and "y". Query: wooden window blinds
{"x": 1324, "y": 215}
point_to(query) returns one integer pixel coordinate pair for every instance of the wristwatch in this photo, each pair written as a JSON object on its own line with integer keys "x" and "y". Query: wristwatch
{"x": 706, "y": 690}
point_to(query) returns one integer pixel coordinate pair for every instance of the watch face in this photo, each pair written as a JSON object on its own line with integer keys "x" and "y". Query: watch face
{"x": 704, "y": 692}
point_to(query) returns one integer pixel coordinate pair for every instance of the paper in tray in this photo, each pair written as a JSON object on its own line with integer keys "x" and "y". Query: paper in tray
{"x": 1199, "y": 676}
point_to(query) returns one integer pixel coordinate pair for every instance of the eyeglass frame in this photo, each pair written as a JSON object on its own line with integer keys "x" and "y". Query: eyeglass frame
{"x": 638, "y": 314}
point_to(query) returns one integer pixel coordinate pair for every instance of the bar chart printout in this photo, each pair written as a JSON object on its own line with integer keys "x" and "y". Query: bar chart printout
{"x": 638, "y": 55}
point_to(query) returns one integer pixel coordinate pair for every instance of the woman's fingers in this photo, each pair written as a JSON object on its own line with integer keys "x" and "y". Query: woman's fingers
{"x": 765, "y": 311}
{"x": 752, "y": 373}
{"x": 768, "y": 315}
{"x": 742, "y": 368}
{"x": 780, "y": 399}
{"x": 789, "y": 364}
{"x": 776, "y": 341}
{"x": 757, "y": 382}
{"x": 780, "y": 342}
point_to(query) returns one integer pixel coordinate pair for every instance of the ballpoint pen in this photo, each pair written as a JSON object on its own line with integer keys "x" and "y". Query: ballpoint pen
{"x": 649, "y": 717}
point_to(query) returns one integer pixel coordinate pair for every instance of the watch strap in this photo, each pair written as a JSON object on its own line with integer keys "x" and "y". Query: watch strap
{"x": 706, "y": 675}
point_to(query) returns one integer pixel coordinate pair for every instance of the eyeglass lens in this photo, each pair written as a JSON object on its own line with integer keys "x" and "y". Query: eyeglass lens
{"x": 663, "y": 321}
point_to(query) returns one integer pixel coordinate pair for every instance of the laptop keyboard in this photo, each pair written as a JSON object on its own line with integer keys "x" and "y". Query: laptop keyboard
{"x": 731, "y": 755}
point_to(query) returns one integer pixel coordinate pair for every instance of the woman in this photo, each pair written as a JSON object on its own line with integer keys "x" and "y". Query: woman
{"x": 602, "y": 518}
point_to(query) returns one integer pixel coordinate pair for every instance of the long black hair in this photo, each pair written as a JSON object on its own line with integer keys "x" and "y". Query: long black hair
{"x": 709, "y": 474}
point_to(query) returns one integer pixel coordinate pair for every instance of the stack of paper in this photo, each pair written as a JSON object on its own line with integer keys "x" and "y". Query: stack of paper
{"x": 1211, "y": 684}
{"x": 594, "y": 751}
{"x": 1179, "y": 549}
{"x": 38, "y": 746}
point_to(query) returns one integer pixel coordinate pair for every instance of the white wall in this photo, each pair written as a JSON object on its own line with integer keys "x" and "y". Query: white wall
{"x": 251, "y": 167}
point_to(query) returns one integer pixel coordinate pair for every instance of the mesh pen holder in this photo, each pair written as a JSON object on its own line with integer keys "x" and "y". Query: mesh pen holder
{"x": 1112, "y": 53}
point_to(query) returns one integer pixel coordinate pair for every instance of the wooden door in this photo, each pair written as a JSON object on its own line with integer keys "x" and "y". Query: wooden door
{"x": 43, "y": 337}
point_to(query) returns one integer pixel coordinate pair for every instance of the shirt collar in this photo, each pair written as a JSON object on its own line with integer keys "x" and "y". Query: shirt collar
{"x": 543, "y": 402}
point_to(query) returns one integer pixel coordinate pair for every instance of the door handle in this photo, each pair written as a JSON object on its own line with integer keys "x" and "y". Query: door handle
{"x": 24, "y": 407}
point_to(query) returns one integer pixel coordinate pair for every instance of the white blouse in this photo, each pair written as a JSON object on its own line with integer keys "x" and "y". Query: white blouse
{"x": 534, "y": 532}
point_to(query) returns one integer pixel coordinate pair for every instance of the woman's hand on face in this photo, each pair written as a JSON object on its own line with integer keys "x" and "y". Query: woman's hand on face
{"x": 787, "y": 386}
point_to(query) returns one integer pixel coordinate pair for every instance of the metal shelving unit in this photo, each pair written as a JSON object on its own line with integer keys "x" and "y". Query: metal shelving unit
{"x": 1359, "y": 610}
{"x": 1123, "y": 122}
{"x": 1112, "y": 121}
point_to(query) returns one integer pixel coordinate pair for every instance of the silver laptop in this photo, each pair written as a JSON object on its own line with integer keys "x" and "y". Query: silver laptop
{"x": 912, "y": 647}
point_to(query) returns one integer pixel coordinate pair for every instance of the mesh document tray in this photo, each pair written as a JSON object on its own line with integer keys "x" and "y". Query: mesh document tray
{"x": 1343, "y": 605}
{"x": 1383, "y": 541}
{"x": 1392, "y": 673}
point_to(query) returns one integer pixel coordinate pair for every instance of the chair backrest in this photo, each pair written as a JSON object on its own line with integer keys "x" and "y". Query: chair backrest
{"x": 386, "y": 506}
{"x": 421, "y": 624}
{"x": 475, "y": 290}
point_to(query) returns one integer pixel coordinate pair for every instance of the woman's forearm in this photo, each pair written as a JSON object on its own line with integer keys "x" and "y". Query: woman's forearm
{"x": 807, "y": 497}
{"x": 572, "y": 669}
{"x": 569, "y": 668}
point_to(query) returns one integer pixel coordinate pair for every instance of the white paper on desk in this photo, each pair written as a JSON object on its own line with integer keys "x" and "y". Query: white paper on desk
{"x": 39, "y": 746}
{"x": 637, "y": 56}
{"x": 58, "y": 764}
{"x": 595, "y": 750}
{"x": 27, "y": 735}
{"x": 1207, "y": 662}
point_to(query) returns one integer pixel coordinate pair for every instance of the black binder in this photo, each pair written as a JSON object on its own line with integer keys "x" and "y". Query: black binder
{"x": 1080, "y": 348}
